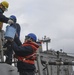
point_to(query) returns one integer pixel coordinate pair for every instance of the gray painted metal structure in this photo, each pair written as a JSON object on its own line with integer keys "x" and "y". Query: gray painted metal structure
{"x": 51, "y": 65}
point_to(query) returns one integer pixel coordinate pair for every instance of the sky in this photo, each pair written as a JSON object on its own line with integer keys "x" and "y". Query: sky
{"x": 50, "y": 18}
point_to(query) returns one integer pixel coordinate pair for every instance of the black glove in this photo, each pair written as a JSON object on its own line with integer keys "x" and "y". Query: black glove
{"x": 10, "y": 40}
{"x": 7, "y": 44}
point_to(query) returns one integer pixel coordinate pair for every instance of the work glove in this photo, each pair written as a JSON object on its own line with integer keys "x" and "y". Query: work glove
{"x": 10, "y": 40}
{"x": 7, "y": 44}
{"x": 10, "y": 21}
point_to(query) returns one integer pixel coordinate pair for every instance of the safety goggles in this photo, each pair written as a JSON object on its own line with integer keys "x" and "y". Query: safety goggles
{"x": 12, "y": 19}
{"x": 27, "y": 37}
{"x": 3, "y": 8}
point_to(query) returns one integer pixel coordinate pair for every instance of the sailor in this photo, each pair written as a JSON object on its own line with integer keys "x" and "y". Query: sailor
{"x": 3, "y": 19}
{"x": 26, "y": 54}
{"x": 9, "y": 52}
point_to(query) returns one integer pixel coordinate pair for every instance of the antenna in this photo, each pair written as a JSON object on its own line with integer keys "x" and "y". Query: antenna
{"x": 46, "y": 40}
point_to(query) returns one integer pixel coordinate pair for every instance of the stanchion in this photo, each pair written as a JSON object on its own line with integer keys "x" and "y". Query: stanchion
{"x": 39, "y": 63}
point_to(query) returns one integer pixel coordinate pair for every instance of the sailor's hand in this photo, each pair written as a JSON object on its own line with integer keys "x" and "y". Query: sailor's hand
{"x": 10, "y": 21}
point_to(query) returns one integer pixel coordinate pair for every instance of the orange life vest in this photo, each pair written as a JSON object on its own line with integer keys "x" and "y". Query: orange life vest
{"x": 30, "y": 58}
